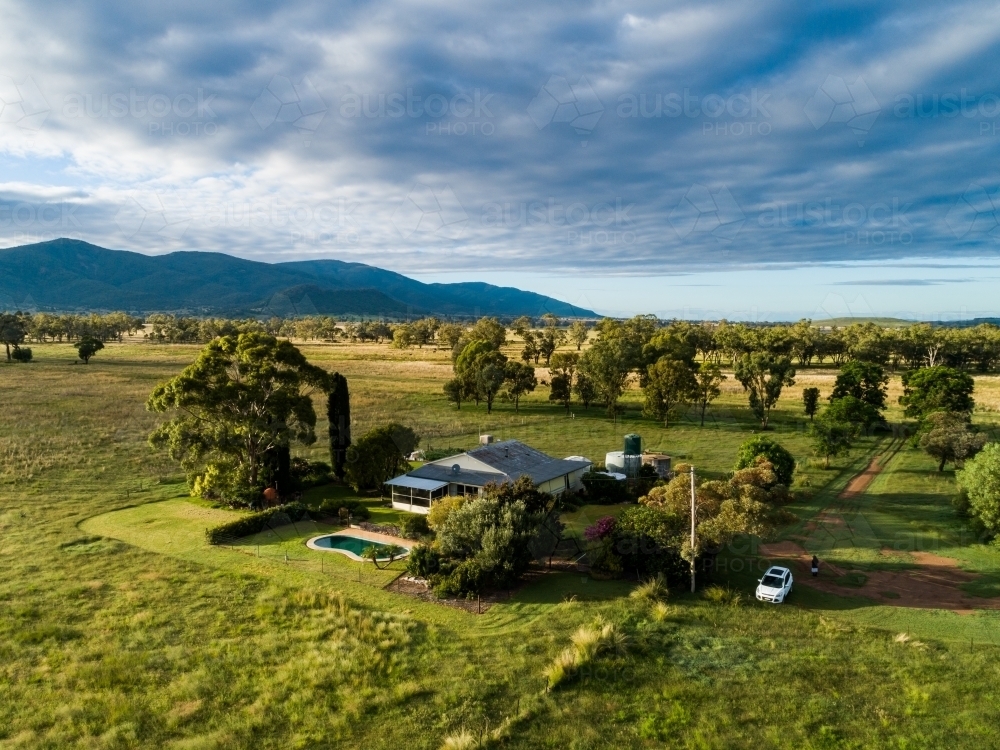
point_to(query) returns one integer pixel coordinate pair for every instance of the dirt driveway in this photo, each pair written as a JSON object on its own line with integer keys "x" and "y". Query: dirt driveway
{"x": 925, "y": 580}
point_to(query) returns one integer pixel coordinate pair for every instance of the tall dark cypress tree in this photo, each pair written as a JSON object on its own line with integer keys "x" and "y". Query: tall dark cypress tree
{"x": 338, "y": 411}
{"x": 278, "y": 461}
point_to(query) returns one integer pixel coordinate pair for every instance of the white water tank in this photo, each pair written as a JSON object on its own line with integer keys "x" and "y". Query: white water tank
{"x": 618, "y": 462}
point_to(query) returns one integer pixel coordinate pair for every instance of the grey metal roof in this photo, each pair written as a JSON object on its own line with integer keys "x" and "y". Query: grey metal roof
{"x": 557, "y": 468}
{"x": 417, "y": 483}
{"x": 515, "y": 459}
{"x": 440, "y": 473}
{"x": 511, "y": 459}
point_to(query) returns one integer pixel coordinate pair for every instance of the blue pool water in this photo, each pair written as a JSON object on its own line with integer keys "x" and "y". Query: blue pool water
{"x": 349, "y": 543}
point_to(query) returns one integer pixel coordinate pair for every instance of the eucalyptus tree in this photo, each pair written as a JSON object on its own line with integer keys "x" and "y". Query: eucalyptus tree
{"x": 244, "y": 396}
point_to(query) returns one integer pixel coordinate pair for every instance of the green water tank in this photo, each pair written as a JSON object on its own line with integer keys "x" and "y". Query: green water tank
{"x": 633, "y": 444}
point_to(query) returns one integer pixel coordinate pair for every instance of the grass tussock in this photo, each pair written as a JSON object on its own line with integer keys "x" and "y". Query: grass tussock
{"x": 904, "y": 639}
{"x": 463, "y": 740}
{"x": 489, "y": 736}
{"x": 661, "y": 611}
{"x": 589, "y": 643}
{"x": 723, "y": 595}
{"x": 653, "y": 590}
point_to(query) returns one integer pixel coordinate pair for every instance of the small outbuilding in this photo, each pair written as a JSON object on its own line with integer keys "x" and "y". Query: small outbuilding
{"x": 660, "y": 463}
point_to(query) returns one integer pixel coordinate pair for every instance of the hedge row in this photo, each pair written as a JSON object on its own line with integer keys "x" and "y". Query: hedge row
{"x": 254, "y": 523}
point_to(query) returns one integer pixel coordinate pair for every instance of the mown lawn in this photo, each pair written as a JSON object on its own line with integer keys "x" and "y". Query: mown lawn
{"x": 123, "y": 629}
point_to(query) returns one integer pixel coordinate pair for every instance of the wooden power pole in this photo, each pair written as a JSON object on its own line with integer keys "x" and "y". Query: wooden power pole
{"x": 692, "y": 528}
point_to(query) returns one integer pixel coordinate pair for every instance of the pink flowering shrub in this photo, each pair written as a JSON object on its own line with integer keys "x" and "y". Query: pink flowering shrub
{"x": 600, "y": 529}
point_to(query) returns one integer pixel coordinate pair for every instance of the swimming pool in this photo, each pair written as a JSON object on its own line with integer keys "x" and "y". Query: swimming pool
{"x": 348, "y": 544}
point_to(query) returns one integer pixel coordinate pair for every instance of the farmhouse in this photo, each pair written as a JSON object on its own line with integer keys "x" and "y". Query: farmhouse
{"x": 467, "y": 474}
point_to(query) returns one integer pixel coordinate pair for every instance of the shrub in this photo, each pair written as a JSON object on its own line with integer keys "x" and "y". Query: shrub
{"x": 495, "y": 532}
{"x": 307, "y": 474}
{"x": 423, "y": 562}
{"x": 227, "y": 482}
{"x": 782, "y": 461}
{"x": 21, "y": 354}
{"x": 357, "y": 509}
{"x": 254, "y": 523}
{"x": 444, "y": 508}
{"x": 603, "y": 489}
{"x": 600, "y": 529}
{"x": 415, "y": 526}
{"x": 603, "y": 558}
{"x": 468, "y": 578}
{"x": 644, "y": 540}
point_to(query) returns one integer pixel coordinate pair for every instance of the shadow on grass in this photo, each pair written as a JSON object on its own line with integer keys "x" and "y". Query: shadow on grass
{"x": 553, "y": 588}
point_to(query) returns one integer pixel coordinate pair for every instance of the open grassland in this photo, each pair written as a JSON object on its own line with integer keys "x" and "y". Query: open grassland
{"x": 120, "y": 628}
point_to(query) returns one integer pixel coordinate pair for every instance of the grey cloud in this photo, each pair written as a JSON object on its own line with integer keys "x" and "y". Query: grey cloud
{"x": 797, "y": 190}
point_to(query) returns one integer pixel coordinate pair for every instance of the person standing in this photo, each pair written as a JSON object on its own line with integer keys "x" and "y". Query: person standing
{"x": 815, "y": 566}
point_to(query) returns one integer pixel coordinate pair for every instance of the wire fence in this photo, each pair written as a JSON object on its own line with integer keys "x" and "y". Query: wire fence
{"x": 266, "y": 545}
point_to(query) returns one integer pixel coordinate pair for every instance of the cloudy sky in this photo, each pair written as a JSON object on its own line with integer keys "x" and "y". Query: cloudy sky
{"x": 757, "y": 160}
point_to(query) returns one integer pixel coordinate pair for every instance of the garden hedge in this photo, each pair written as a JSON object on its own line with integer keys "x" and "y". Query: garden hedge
{"x": 254, "y": 523}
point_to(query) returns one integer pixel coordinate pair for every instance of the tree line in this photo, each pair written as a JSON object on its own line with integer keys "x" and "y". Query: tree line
{"x": 976, "y": 348}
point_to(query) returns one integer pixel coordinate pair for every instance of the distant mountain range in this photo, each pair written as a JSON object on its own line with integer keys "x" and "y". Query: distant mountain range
{"x": 71, "y": 275}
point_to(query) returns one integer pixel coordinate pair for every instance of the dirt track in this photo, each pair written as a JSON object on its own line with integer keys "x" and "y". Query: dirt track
{"x": 932, "y": 583}
{"x": 859, "y": 483}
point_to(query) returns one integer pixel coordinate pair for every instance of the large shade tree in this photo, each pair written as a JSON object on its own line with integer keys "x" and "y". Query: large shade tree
{"x": 763, "y": 376}
{"x": 241, "y": 399}
{"x": 948, "y": 437}
{"x": 380, "y": 455}
{"x": 865, "y": 381}
{"x": 708, "y": 380}
{"x": 980, "y": 482}
{"x": 669, "y": 383}
{"x": 606, "y": 366}
{"x": 937, "y": 389}
{"x": 13, "y": 329}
